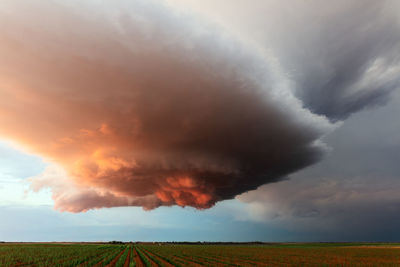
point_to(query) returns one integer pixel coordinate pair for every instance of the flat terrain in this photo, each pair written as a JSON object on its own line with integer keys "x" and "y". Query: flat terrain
{"x": 162, "y": 254}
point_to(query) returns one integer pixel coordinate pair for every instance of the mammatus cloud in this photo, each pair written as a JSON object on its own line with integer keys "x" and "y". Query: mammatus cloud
{"x": 139, "y": 105}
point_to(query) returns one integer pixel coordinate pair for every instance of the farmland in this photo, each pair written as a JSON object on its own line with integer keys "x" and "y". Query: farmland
{"x": 163, "y": 254}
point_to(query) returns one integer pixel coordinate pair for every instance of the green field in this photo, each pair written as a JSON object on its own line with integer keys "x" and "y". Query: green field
{"x": 162, "y": 254}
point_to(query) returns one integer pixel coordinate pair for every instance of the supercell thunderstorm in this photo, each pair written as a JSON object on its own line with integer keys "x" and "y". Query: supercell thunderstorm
{"x": 133, "y": 104}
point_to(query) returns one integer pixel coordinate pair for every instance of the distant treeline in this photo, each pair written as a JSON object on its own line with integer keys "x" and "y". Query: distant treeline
{"x": 190, "y": 243}
{"x": 286, "y": 244}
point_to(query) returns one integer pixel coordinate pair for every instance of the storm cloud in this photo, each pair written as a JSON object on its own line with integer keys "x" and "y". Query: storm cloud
{"x": 350, "y": 195}
{"x": 138, "y": 103}
{"x": 135, "y": 104}
{"x": 343, "y": 56}
{"x": 349, "y": 59}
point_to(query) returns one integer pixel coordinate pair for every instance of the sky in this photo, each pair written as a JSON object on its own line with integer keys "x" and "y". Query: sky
{"x": 172, "y": 120}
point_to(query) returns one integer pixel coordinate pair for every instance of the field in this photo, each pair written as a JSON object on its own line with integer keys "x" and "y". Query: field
{"x": 162, "y": 254}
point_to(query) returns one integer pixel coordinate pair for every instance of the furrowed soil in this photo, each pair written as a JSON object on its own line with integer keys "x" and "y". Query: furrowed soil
{"x": 138, "y": 260}
{"x": 152, "y": 262}
{"x": 164, "y": 262}
{"x": 169, "y": 255}
{"x": 128, "y": 258}
{"x": 114, "y": 261}
{"x": 189, "y": 262}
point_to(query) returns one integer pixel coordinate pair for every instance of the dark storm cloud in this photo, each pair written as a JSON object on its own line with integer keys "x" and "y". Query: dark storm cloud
{"x": 352, "y": 58}
{"x": 329, "y": 208}
{"x": 352, "y": 194}
{"x": 343, "y": 56}
{"x": 141, "y": 106}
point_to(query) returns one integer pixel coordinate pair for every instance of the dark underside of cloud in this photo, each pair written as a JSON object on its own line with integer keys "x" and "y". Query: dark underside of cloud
{"x": 351, "y": 195}
{"x": 143, "y": 106}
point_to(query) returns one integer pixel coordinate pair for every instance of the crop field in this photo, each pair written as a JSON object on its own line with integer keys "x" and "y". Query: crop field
{"x": 85, "y": 254}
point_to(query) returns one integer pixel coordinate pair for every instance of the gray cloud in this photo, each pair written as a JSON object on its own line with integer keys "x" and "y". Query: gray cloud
{"x": 352, "y": 194}
{"x": 351, "y": 60}
{"x": 343, "y": 56}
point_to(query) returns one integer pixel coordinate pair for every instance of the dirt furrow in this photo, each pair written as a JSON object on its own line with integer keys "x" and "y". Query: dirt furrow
{"x": 164, "y": 262}
{"x": 189, "y": 261}
{"x": 128, "y": 258}
{"x": 238, "y": 261}
{"x": 99, "y": 256}
{"x": 100, "y": 263}
{"x": 152, "y": 263}
{"x": 138, "y": 260}
{"x": 208, "y": 260}
{"x": 58, "y": 262}
{"x": 114, "y": 261}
